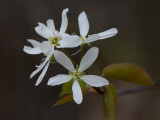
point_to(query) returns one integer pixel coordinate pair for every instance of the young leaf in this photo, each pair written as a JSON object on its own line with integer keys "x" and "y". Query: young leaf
{"x": 65, "y": 99}
{"x": 110, "y": 102}
{"x": 69, "y": 97}
{"x": 128, "y": 72}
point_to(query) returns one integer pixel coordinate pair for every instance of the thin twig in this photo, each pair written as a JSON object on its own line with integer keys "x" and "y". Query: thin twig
{"x": 134, "y": 90}
{"x": 81, "y": 53}
{"x": 139, "y": 89}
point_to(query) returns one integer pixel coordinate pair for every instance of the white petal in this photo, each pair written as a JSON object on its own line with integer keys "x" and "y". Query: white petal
{"x": 65, "y": 35}
{"x": 69, "y": 42}
{"x": 64, "y": 23}
{"x": 92, "y": 38}
{"x": 108, "y": 33}
{"x": 63, "y": 60}
{"x": 30, "y": 50}
{"x": 95, "y": 80}
{"x": 34, "y": 42}
{"x": 42, "y": 74}
{"x": 43, "y": 30}
{"x": 50, "y": 25}
{"x": 59, "y": 79}
{"x": 45, "y": 47}
{"x": 77, "y": 92}
{"x": 44, "y": 63}
{"x": 83, "y": 24}
{"x": 88, "y": 58}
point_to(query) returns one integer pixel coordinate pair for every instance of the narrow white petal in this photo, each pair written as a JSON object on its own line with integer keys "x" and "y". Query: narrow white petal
{"x": 59, "y": 79}
{"x": 63, "y": 60}
{"x": 77, "y": 92}
{"x": 43, "y": 64}
{"x": 88, "y": 58}
{"x": 65, "y": 35}
{"x": 45, "y": 47}
{"x": 95, "y": 80}
{"x": 34, "y": 42}
{"x": 92, "y": 38}
{"x": 83, "y": 24}
{"x": 43, "y": 30}
{"x": 108, "y": 33}
{"x": 69, "y": 42}
{"x": 64, "y": 23}
{"x": 30, "y": 50}
{"x": 42, "y": 74}
{"x": 40, "y": 67}
{"x": 50, "y": 25}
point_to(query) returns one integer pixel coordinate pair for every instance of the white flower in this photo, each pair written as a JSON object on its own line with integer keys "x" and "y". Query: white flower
{"x": 77, "y": 74}
{"x": 84, "y": 28}
{"x": 55, "y": 38}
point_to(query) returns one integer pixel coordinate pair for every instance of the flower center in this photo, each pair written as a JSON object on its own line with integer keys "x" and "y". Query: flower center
{"x": 55, "y": 40}
{"x": 76, "y": 75}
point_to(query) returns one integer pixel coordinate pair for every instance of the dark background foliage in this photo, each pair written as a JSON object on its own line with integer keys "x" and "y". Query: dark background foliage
{"x": 137, "y": 42}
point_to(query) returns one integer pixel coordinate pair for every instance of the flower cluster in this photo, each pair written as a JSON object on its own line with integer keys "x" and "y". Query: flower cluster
{"x": 59, "y": 39}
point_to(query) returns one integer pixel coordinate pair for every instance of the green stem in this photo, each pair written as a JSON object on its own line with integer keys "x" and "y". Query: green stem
{"x": 81, "y": 53}
{"x": 73, "y": 61}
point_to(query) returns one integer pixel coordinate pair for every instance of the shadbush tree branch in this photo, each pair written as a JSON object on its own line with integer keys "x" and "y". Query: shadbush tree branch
{"x": 139, "y": 89}
{"x": 135, "y": 90}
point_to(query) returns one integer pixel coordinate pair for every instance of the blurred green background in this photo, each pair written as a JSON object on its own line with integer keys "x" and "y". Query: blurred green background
{"x": 138, "y": 42}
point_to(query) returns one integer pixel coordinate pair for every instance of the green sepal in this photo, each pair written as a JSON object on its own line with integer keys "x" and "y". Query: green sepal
{"x": 82, "y": 83}
{"x": 52, "y": 58}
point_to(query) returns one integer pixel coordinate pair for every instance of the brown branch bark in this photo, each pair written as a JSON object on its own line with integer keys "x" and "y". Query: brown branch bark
{"x": 134, "y": 90}
{"x": 139, "y": 89}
